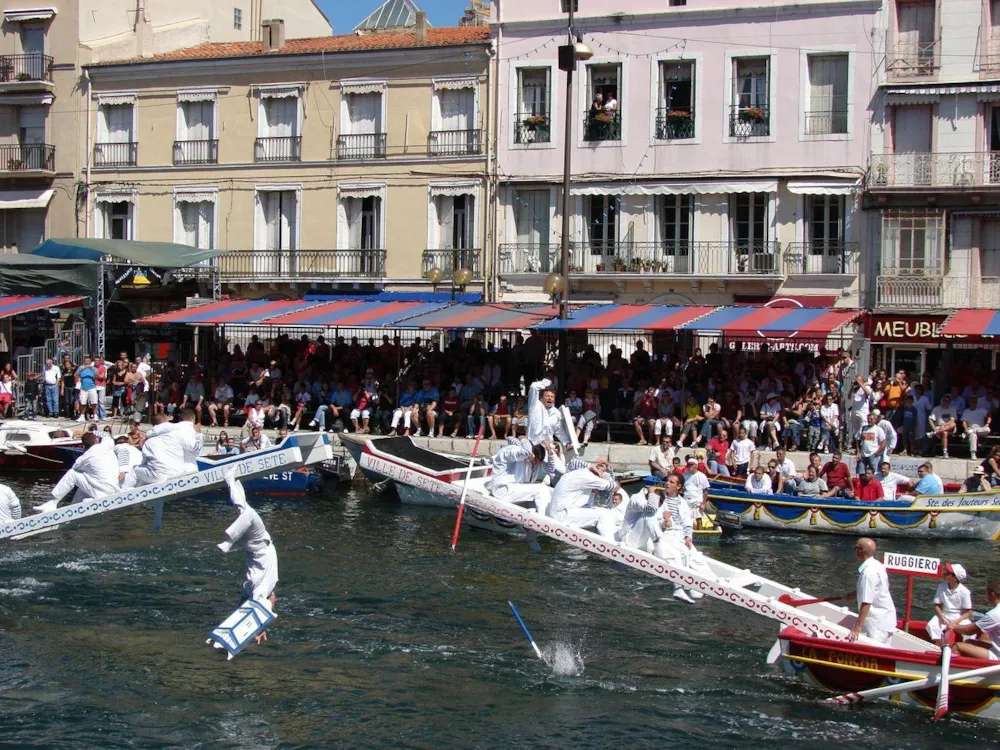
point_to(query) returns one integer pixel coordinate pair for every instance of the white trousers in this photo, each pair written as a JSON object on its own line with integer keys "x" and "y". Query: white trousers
{"x": 664, "y": 426}
{"x": 404, "y": 414}
{"x": 601, "y": 519}
{"x": 86, "y": 487}
{"x": 262, "y": 574}
{"x": 973, "y": 435}
{"x": 540, "y": 495}
{"x": 671, "y": 548}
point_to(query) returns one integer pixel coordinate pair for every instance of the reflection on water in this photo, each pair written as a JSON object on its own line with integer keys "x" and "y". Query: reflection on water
{"x": 386, "y": 639}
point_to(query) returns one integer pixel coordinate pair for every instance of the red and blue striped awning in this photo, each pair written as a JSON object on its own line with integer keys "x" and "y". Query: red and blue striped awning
{"x": 356, "y": 314}
{"x": 229, "y": 311}
{"x": 806, "y": 322}
{"x": 496, "y": 317}
{"x": 627, "y": 318}
{"x": 972, "y": 323}
{"x": 10, "y": 306}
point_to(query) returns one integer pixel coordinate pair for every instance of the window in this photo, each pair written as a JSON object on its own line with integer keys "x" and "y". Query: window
{"x": 675, "y": 115}
{"x": 749, "y": 113}
{"x": 454, "y": 122}
{"x": 114, "y": 220}
{"x": 33, "y": 67}
{"x": 195, "y": 222}
{"x": 993, "y": 174}
{"x": 278, "y": 128}
{"x": 826, "y": 111}
{"x": 364, "y": 222}
{"x": 602, "y": 224}
{"x": 115, "y": 141}
{"x": 603, "y": 121}
{"x": 989, "y": 259}
{"x": 916, "y": 46}
{"x": 32, "y": 152}
{"x": 912, "y": 244}
{"x": 531, "y": 219}
{"x": 677, "y": 3}
{"x": 362, "y": 135}
{"x": 277, "y": 217}
{"x": 676, "y": 218}
{"x": 455, "y": 219}
{"x": 750, "y": 228}
{"x": 21, "y": 229}
{"x": 196, "y": 143}
{"x": 532, "y": 122}
{"x": 238, "y": 19}
{"x": 825, "y": 219}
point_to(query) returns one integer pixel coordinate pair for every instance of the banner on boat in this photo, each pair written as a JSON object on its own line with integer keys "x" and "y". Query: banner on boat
{"x": 913, "y": 565}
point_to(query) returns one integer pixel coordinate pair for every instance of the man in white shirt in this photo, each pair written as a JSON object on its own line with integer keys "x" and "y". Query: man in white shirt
{"x": 943, "y": 422}
{"x": 890, "y": 481}
{"x": 170, "y": 450}
{"x": 51, "y": 380}
{"x": 742, "y": 454}
{"x": 573, "y": 499}
{"x": 223, "y": 400}
{"x": 696, "y": 486}
{"x": 674, "y": 530}
{"x": 10, "y": 505}
{"x": 94, "y": 474}
{"x": 786, "y": 468}
{"x": 544, "y": 418}
{"x": 861, "y": 394}
{"x": 889, "y": 430}
{"x": 661, "y": 457}
{"x": 975, "y": 422}
{"x": 871, "y": 445}
{"x": 988, "y": 625}
{"x": 876, "y": 611}
{"x": 759, "y": 483}
{"x": 830, "y": 429}
{"x": 512, "y": 477}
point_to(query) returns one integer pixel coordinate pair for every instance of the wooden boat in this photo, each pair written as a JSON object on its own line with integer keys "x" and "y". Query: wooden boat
{"x": 35, "y": 446}
{"x": 972, "y": 516}
{"x": 303, "y": 449}
{"x": 292, "y": 483}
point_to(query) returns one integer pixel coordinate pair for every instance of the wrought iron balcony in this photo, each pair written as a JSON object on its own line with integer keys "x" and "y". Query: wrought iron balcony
{"x": 455, "y": 142}
{"x": 749, "y": 122}
{"x": 830, "y": 121}
{"x": 362, "y": 146}
{"x": 707, "y": 259}
{"x": 674, "y": 123}
{"x": 934, "y": 170}
{"x": 912, "y": 60}
{"x": 25, "y": 68}
{"x": 28, "y": 157}
{"x": 283, "y": 148}
{"x": 529, "y": 128}
{"x": 115, "y": 154}
{"x": 300, "y": 265}
{"x": 822, "y": 257}
{"x": 449, "y": 260}
{"x": 196, "y": 152}
{"x": 602, "y": 126}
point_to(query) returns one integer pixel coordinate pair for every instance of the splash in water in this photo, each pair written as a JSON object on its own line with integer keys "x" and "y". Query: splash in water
{"x": 564, "y": 659}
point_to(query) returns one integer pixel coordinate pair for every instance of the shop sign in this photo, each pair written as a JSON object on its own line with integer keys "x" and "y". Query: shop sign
{"x": 916, "y": 329}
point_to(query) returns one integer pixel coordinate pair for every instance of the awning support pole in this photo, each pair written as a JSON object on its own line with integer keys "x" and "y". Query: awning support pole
{"x": 100, "y": 313}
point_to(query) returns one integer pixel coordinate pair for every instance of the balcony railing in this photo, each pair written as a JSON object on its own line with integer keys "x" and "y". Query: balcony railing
{"x": 940, "y": 170}
{"x": 361, "y": 146}
{"x": 530, "y": 128}
{"x": 115, "y": 154}
{"x": 674, "y": 123}
{"x": 446, "y": 260}
{"x": 827, "y": 121}
{"x": 911, "y": 60}
{"x": 30, "y": 67}
{"x": 29, "y": 157}
{"x": 196, "y": 152}
{"x": 673, "y": 257}
{"x": 602, "y": 126}
{"x": 455, "y": 142}
{"x": 282, "y": 148}
{"x": 749, "y": 122}
{"x": 821, "y": 257}
{"x": 300, "y": 265}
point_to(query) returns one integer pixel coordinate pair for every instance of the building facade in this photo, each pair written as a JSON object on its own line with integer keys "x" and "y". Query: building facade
{"x": 717, "y": 149}
{"x": 933, "y": 183}
{"x": 339, "y": 164}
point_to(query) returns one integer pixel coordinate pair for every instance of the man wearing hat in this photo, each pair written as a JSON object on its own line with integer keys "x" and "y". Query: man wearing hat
{"x": 977, "y": 482}
{"x": 943, "y": 421}
{"x": 952, "y": 601}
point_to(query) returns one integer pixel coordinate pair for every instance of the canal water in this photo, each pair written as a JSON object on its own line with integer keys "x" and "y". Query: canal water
{"x": 385, "y": 639}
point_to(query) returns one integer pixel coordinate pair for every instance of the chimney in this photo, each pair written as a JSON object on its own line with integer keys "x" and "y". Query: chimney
{"x": 272, "y": 34}
{"x": 421, "y": 27}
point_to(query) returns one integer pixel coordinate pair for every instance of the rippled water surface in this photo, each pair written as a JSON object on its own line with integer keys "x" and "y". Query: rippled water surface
{"x": 385, "y": 639}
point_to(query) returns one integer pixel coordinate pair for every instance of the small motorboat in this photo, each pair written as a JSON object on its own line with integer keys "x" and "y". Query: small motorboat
{"x": 35, "y": 446}
{"x": 286, "y": 483}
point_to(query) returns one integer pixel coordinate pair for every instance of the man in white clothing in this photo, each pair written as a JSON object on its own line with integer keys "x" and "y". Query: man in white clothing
{"x": 661, "y": 457}
{"x": 975, "y": 422}
{"x": 171, "y": 449}
{"x": 249, "y": 531}
{"x": 544, "y": 419}
{"x": 742, "y": 454}
{"x": 675, "y": 543}
{"x": 889, "y": 430}
{"x": 943, "y": 421}
{"x": 759, "y": 483}
{"x": 639, "y": 523}
{"x": 890, "y": 481}
{"x": 786, "y": 468}
{"x": 695, "y": 488}
{"x": 513, "y": 471}
{"x": 93, "y": 475}
{"x": 876, "y": 611}
{"x": 10, "y": 505}
{"x": 872, "y": 444}
{"x": 988, "y": 625}
{"x": 573, "y": 499}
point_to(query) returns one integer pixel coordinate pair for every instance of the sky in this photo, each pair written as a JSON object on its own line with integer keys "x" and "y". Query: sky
{"x": 346, "y": 14}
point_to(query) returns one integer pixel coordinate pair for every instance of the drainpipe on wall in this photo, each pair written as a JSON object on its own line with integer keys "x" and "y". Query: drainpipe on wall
{"x": 89, "y": 156}
{"x": 493, "y": 158}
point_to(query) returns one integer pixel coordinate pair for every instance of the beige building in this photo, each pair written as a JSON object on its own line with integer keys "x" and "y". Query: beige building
{"x": 43, "y": 90}
{"x": 339, "y": 163}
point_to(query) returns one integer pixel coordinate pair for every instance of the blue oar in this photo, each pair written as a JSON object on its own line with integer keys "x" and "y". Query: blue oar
{"x": 524, "y": 627}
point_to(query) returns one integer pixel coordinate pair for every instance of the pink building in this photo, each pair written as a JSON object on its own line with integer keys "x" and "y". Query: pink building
{"x": 717, "y": 148}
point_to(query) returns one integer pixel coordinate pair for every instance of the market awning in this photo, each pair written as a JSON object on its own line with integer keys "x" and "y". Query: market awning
{"x": 767, "y": 321}
{"x": 497, "y": 317}
{"x": 354, "y": 314}
{"x": 25, "y": 198}
{"x": 229, "y": 311}
{"x": 10, "y": 306}
{"x": 627, "y": 318}
{"x": 153, "y": 254}
{"x": 972, "y": 323}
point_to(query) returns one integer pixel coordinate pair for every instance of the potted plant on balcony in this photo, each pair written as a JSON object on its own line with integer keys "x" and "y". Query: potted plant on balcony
{"x": 601, "y": 267}
{"x": 24, "y": 76}
{"x": 618, "y": 264}
{"x": 753, "y": 114}
{"x": 678, "y": 117}
{"x": 531, "y": 122}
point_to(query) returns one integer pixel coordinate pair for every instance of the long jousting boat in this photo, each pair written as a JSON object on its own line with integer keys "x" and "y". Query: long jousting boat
{"x": 951, "y": 516}
{"x": 293, "y": 452}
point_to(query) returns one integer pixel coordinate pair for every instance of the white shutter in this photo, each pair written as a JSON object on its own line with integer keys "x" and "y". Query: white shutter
{"x": 287, "y": 220}
{"x": 206, "y": 225}
{"x": 446, "y": 222}
{"x": 272, "y": 220}
{"x": 260, "y": 221}
{"x": 457, "y": 108}
{"x": 189, "y": 224}
{"x": 364, "y": 113}
{"x": 31, "y": 228}
{"x": 353, "y": 208}
{"x": 118, "y": 118}
{"x": 197, "y": 120}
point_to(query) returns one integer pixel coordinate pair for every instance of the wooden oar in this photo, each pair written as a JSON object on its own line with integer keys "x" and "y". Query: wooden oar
{"x": 465, "y": 490}
{"x": 524, "y": 628}
{"x": 942, "y": 701}
{"x": 787, "y": 599}
{"x": 907, "y": 687}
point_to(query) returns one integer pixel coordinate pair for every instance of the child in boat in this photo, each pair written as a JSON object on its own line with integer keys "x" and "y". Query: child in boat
{"x": 952, "y": 601}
